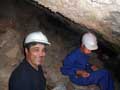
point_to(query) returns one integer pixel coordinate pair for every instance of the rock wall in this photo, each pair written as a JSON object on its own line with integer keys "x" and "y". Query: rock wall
{"x": 99, "y": 15}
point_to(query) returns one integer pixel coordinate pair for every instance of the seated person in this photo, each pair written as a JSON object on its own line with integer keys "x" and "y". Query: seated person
{"x": 78, "y": 69}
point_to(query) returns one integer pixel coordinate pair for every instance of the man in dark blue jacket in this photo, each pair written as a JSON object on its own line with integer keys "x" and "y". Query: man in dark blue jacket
{"x": 29, "y": 75}
{"x": 80, "y": 72}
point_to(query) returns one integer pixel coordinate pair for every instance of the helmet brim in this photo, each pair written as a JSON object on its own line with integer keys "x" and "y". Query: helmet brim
{"x": 93, "y": 47}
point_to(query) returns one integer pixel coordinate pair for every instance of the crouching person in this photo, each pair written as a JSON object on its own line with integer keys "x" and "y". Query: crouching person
{"x": 79, "y": 70}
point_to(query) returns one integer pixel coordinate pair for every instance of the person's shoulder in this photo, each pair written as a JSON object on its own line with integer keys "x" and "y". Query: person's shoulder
{"x": 74, "y": 51}
{"x": 19, "y": 69}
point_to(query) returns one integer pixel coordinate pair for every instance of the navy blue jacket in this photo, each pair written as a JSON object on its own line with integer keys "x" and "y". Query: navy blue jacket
{"x": 25, "y": 77}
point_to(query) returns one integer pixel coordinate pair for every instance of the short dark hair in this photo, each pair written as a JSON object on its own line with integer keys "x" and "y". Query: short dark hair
{"x": 29, "y": 45}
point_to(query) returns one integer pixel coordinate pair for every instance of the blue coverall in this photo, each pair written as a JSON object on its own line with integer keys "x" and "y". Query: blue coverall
{"x": 77, "y": 60}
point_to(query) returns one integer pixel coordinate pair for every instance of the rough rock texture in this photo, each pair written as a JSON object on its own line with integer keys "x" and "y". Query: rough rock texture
{"x": 99, "y": 15}
{"x": 9, "y": 52}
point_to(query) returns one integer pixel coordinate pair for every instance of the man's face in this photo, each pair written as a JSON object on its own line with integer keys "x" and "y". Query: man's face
{"x": 85, "y": 50}
{"x": 35, "y": 55}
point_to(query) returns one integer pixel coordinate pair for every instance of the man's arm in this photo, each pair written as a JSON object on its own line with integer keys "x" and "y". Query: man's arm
{"x": 68, "y": 67}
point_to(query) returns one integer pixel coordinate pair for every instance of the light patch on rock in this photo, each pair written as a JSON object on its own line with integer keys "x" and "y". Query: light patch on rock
{"x": 118, "y": 2}
{"x": 12, "y": 53}
{"x": 90, "y": 13}
{"x": 60, "y": 87}
{"x": 3, "y": 43}
{"x": 103, "y": 1}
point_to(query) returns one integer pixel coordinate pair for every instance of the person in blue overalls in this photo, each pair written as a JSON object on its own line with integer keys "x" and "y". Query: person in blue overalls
{"x": 80, "y": 71}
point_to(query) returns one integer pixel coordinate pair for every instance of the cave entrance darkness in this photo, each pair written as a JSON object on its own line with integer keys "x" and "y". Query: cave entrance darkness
{"x": 63, "y": 33}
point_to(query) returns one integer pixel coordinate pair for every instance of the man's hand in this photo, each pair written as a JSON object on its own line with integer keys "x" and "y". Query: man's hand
{"x": 82, "y": 73}
{"x": 94, "y": 68}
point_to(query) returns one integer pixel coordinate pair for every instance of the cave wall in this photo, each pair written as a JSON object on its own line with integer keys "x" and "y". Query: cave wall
{"x": 102, "y": 16}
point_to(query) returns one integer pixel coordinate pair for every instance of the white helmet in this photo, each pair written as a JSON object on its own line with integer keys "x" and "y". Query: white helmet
{"x": 90, "y": 41}
{"x": 36, "y": 37}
